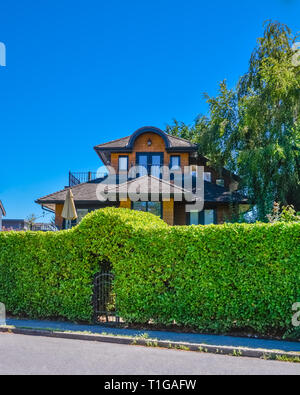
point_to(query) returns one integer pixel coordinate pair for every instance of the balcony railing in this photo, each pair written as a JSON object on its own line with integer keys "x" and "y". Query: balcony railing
{"x": 81, "y": 177}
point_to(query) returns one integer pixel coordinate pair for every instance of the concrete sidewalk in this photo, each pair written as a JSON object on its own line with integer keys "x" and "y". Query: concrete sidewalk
{"x": 184, "y": 338}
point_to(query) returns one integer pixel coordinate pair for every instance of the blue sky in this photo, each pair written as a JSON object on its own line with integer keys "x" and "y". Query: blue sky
{"x": 80, "y": 73}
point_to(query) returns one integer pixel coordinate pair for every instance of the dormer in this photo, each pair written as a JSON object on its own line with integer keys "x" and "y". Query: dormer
{"x": 147, "y": 146}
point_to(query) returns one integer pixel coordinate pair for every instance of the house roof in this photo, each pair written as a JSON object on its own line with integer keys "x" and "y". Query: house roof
{"x": 82, "y": 192}
{"x": 125, "y": 144}
{"x": 87, "y": 192}
{"x": 2, "y": 209}
{"x": 218, "y": 194}
{"x": 175, "y": 142}
{"x": 146, "y": 185}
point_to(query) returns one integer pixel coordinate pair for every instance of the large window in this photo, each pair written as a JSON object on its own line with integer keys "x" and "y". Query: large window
{"x": 175, "y": 162}
{"x": 150, "y": 207}
{"x": 204, "y": 217}
{"x": 150, "y": 163}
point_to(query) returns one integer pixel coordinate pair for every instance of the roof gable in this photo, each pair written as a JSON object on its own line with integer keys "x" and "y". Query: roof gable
{"x": 172, "y": 142}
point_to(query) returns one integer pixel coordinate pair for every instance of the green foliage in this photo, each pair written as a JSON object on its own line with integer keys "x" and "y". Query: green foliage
{"x": 284, "y": 214}
{"x": 216, "y": 277}
{"x": 50, "y": 274}
{"x": 254, "y": 129}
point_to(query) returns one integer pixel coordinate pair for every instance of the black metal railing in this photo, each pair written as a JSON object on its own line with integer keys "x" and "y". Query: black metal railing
{"x": 104, "y": 298}
{"x": 81, "y": 177}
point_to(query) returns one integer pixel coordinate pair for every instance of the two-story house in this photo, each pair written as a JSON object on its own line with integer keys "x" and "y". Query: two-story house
{"x": 151, "y": 148}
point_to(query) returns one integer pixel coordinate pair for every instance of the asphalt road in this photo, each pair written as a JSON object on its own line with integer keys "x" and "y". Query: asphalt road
{"x": 28, "y": 355}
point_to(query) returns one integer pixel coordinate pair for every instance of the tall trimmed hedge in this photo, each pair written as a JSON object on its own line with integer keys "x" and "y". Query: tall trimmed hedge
{"x": 215, "y": 277}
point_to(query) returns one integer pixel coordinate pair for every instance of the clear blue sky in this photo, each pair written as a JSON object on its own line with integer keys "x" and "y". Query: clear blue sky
{"x": 80, "y": 73}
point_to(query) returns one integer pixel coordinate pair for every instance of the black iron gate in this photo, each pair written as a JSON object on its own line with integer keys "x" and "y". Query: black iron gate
{"x": 104, "y": 297}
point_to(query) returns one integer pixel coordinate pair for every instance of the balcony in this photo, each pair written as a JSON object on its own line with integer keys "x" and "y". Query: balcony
{"x": 82, "y": 177}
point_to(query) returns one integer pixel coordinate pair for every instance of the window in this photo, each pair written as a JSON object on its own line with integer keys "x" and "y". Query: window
{"x": 81, "y": 212}
{"x": 209, "y": 217}
{"x": 175, "y": 162}
{"x": 205, "y": 217}
{"x": 207, "y": 176}
{"x": 154, "y": 208}
{"x": 150, "y": 162}
{"x": 123, "y": 163}
{"x": 194, "y": 217}
{"x": 150, "y": 207}
{"x": 139, "y": 206}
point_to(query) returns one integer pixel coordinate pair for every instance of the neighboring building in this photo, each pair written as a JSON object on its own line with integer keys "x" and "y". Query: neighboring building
{"x": 151, "y": 148}
{"x": 2, "y": 214}
{"x": 23, "y": 225}
{"x": 14, "y": 224}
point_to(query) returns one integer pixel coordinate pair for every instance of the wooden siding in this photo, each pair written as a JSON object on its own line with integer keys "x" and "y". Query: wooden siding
{"x": 58, "y": 218}
{"x": 168, "y": 211}
{"x": 141, "y": 145}
{"x": 125, "y": 203}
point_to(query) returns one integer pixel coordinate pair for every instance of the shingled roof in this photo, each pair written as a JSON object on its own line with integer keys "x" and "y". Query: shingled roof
{"x": 175, "y": 142}
{"x": 217, "y": 194}
{"x": 87, "y": 192}
{"x": 125, "y": 144}
{"x": 146, "y": 185}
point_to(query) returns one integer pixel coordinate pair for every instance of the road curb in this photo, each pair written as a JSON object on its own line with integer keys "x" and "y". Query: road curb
{"x": 138, "y": 341}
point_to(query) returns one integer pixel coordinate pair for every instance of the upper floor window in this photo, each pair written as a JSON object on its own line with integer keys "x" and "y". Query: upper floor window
{"x": 123, "y": 163}
{"x": 175, "y": 162}
{"x": 150, "y": 163}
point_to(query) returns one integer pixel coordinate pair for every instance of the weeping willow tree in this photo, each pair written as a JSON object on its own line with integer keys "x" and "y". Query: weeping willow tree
{"x": 254, "y": 129}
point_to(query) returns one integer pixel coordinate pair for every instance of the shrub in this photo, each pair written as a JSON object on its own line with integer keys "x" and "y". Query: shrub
{"x": 284, "y": 214}
{"x": 51, "y": 274}
{"x": 216, "y": 277}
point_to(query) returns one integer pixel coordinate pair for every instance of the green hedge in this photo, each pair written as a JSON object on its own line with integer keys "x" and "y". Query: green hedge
{"x": 216, "y": 277}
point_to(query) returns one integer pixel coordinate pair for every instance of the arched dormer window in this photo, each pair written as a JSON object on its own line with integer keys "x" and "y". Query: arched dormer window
{"x": 148, "y": 129}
